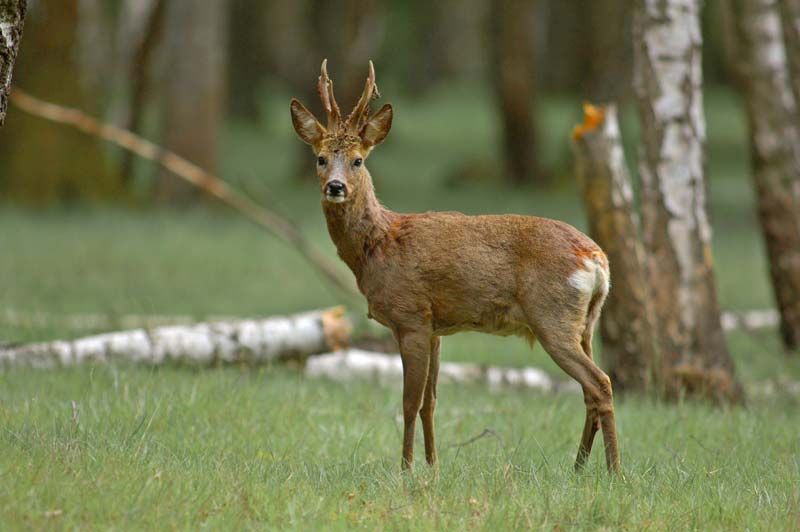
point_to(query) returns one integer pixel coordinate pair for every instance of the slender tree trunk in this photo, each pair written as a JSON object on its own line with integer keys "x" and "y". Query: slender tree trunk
{"x": 627, "y": 323}
{"x": 95, "y": 51}
{"x": 764, "y": 81}
{"x": 12, "y": 17}
{"x": 512, "y": 78}
{"x": 790, "y": 15}
{"x": 138, "y": 76}
{"x": 676, "y": 229}
{"x": 195, "y": 89}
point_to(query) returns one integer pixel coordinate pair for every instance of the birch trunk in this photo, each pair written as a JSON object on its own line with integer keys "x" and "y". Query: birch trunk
{"x": 764, "y": 81}
{"x": 676, "y": 230}
{"x": 12, "y": 17}
{"x": 790, "y": 15}
{"x": 357, "y": 364}
{"x": 627, "y": 322}
{"x": 250, "y": 341}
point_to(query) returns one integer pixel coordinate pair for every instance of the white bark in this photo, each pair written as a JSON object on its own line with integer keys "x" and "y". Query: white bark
{"x": 251, "y": 341}
{"x": 675, "y": 226}
{"x": 12, "y": 16}
{"x": 357, "y": 364}
{"x": 731, "y": 320}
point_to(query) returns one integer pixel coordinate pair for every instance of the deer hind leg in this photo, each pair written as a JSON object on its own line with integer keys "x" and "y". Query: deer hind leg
{"x": 429, "y": 402}
{"x": 597, "y": 396}
{"x": 592, "y": 423}
{"x": 415, "y": 351}
{"x": 564, "y": 338}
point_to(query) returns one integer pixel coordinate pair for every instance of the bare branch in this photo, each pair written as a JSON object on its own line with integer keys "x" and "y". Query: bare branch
{"x": 268, "y": 220}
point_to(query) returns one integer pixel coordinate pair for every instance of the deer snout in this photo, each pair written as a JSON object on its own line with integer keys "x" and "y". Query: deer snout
{"x": 335, "y": 191}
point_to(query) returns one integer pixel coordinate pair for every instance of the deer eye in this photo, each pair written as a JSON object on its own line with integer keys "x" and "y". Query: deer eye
{"x": 358, "y": 162}
{"x": 321, "y": 160}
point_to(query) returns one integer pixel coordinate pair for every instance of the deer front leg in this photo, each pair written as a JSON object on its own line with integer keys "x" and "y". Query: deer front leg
{"x": 415, "y": 351}
{"x": 429, "y": 402}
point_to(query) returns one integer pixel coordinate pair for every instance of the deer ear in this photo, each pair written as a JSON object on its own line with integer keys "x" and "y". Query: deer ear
{"x": 307, "y": 127}
{"x": 377, "y": 127}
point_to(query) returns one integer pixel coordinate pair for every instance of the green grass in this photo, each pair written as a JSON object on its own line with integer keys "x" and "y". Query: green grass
{"x": 234, "y": 448}
{"x": 240, "y": 448}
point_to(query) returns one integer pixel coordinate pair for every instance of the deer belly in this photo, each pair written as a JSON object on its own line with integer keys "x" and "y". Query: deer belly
{"x": 497, "y": 320}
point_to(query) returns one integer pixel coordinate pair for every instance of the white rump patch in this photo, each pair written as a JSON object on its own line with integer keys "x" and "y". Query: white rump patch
{"x": 591, "y": 279}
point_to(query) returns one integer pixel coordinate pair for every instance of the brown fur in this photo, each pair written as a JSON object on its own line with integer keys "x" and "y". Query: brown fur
{"x": 434, "y": 274}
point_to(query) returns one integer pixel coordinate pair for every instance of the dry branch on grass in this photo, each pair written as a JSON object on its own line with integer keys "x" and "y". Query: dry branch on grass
{"x": 252, "y": 341}
{"x": 272, "y": 222}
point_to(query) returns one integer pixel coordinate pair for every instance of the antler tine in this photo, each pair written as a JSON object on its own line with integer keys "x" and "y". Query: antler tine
{"x": 358, "y": 116}
{"x": 325, "y": 89}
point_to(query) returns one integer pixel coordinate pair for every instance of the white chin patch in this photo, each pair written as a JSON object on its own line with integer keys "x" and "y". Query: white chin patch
{"x": 335, "y": 199}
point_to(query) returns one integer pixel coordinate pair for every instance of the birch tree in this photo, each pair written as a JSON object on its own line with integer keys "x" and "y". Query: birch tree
{"x": 627, "y": 322}
{"x": 676, "y": 229}
{"x": 12, "y": 16}
{"x": 764, "y": 80}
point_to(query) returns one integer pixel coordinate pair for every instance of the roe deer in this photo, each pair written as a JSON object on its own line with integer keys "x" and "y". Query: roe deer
{"x": 433, "y": 274}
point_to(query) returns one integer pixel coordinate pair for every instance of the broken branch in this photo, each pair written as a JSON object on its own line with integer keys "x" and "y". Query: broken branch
{"x": 209, "y": 183}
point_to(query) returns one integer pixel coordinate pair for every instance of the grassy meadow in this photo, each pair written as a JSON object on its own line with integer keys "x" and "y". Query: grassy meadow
{"x": 235, "y": 448}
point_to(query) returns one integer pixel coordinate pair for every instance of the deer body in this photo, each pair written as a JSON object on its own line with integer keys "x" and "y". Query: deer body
{"x": 433, "y": 274}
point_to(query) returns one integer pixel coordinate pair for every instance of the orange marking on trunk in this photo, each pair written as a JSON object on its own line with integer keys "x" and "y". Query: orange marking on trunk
{"x": 593, "y": 117}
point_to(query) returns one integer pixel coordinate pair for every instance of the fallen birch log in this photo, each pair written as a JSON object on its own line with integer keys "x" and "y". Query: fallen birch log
{"x": 731, "y": 320}
{"x": 251, "y": 341}
{"x": 353, "y": 364}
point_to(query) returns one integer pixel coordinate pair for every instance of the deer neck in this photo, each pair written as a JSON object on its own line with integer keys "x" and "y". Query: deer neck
{"x": 357, "y": 226}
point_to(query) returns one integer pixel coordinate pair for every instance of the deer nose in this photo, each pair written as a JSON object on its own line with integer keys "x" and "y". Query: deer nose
{"x": 335, "y": 188}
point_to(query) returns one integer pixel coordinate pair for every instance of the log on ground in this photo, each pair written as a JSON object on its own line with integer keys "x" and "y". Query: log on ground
{"x": 251, "y": 341}
{"x": 352, "y": 364}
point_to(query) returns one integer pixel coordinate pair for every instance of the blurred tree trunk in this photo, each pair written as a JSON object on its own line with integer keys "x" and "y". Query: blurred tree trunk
{"x": 196, "y": 39}
{"x": 95, "y": 51}
{"x": 44, "y": 164}
{"x": 250, "y": 38}
{"x": 564, "y": 56}
{"x": 448, "y": 43}
{"x": 513, "y": 82}
{"x": 12, "y": 18}
{"x": 627, "y": 323}
{"x": 676, "y": 229}
{"x": 347, "y": 33}
{"x": 764, "y": 80}
{"x": 141, "y": 39}
{"x": 610, "y": 50}
{"x": 790, "y": 14}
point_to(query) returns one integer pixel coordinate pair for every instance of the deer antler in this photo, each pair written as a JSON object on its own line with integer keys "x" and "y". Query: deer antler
{"x": 360, "y": 113}
{"x": 325, "y": 88}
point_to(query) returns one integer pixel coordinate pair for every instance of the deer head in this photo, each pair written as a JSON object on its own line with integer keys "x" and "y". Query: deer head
{"x": 342, "y": 146}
